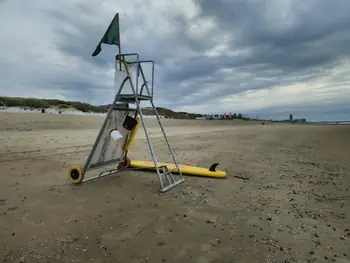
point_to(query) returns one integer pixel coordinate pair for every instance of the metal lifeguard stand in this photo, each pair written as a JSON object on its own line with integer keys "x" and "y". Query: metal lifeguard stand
{"x": 106, "y": 151}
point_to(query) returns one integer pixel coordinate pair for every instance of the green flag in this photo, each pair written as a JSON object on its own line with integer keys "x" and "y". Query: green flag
{"x": 111, "y": 37}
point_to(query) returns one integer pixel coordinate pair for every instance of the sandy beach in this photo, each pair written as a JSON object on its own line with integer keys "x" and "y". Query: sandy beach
{"x": 292, "y": 206}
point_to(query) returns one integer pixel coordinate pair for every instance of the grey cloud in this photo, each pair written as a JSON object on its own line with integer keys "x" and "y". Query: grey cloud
{"x": 302, "y": 51}
{"x": 319, "y": 38}
{"x": 324, "y": 26}
{"x": 80, "y": 44}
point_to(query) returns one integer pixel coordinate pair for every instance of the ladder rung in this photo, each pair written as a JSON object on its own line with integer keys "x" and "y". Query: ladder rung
{"x": 170, "y": 178}
{"x": 167, "y": 172}
{"x": 166, "y": 188}
{"x": 131, "y": 97}
{"x": 173, "y": 170}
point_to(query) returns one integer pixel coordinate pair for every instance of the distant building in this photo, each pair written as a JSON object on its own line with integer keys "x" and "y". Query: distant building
{"x": 299, "y": 120}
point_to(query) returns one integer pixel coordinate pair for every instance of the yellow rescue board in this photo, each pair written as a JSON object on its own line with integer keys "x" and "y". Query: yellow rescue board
{"x": 185, "y": 169}
{"x": 132, "y": 136}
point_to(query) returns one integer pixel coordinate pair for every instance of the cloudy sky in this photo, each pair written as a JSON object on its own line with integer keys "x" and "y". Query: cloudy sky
{"x": 258, "y": 57}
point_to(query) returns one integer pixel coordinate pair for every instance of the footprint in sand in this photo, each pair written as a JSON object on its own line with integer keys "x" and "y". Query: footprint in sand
{"x": 202, "y": 260}
{"x": 12, "y": 208}
{"x": 206, "y": 247}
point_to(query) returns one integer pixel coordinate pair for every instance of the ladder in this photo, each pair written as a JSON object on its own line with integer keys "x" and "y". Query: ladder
{"x": 103, "y": 152}
{"x": 166, "y": 177}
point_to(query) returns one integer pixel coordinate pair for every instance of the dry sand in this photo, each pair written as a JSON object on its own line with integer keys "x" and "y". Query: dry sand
{"x": 294, "y": 207}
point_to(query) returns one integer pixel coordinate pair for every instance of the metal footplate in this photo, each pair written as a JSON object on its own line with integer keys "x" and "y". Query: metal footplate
{"x": 169, "y": 179}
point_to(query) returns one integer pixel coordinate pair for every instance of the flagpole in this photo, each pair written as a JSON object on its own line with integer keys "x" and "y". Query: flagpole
{"x": 119, "y": 48}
